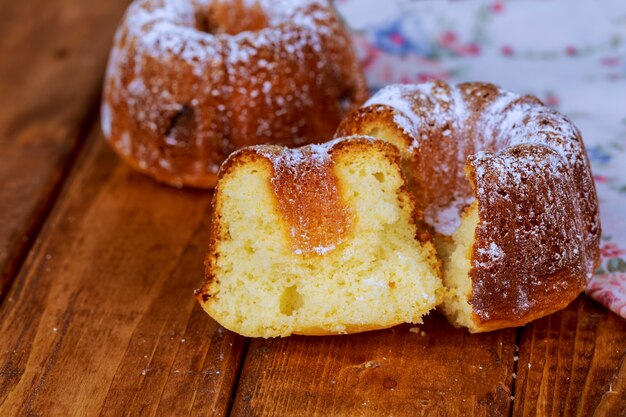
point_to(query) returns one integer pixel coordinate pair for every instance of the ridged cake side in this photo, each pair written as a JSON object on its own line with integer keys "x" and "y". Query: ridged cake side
{"x": 535, "y": 240}
{"x": 190, "y": 81}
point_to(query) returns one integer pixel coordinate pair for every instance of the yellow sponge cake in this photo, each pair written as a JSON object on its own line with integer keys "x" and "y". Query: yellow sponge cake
{"x": 317, "y": 240}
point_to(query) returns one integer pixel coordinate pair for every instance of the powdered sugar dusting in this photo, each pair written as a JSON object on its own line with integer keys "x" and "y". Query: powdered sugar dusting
{"x": 525, "y": 192}
{"x": 292, "y": 159}
{"x": 492, "y": 252}
{"x": 507, "y": 121}
{"x": 201, "y": 78}
{"x": 322, "y": 250}
{"x": 166, "y": 27}
{"x": 106, "y": 122}
{"x": 536, "y": 199}
{"x": 315, "y": 155}
{"x": 447, "y": 220}
{"x": 461, "y": 113}
{"x": 398, "y": 97}
{"x": 308, "y": 195}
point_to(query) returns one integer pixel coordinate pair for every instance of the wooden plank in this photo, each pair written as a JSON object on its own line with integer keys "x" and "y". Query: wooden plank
{"x": 53, "y": 57}
{"x": 573, "y": 363}
{"x": 394, "y": 372}
{"x": 102, "y": 319}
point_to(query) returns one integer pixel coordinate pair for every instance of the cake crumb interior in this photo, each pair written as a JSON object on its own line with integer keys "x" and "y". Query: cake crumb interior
{"x": 380, "y": 276}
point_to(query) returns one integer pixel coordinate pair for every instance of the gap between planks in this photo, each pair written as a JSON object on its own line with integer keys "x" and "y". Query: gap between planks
{"x": 572, "y": 363}
{"x": 126, "y": 253}
{"x": 17, "y": 260}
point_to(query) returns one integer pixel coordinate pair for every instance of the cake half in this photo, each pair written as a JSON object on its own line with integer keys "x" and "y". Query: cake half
{"x": 506, "y": 189}
{"x": 317, "y": 240}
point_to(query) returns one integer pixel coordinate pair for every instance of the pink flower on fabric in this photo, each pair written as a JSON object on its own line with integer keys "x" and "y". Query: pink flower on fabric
{"x": 610, "y": 61}
{"x": 460, "y": 50}
{"x": 552, "y": 100}
{"x": 497, "y": 7}
{"x": 611, "y": 250}
{"x": 450, "y": 41}
{"x": 571, "y": 50}
{"x": 610, "y": 290}
{"x": 473, "y": 49}
{"x": 447, "y": 38}
{"x": 507, "y": 50}
{"x": 424, "y": 77}
{"x": 601, "y": 179}
{"x": 397, "y": 39}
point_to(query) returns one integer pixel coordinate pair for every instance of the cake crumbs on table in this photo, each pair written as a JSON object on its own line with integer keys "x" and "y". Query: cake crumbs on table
{"x": 417, "y": 330}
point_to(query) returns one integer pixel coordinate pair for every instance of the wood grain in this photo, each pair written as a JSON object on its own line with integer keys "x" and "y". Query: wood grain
{"x": 573, "y": 363}
{"x": 102, "y": 319}
{"x": 53, "y": 57}
{"x": 399, "y": 372}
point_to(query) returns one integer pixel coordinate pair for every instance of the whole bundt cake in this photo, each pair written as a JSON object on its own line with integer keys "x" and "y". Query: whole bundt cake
{"x": 504, "y": 183}
{"x": 190, "y": 81}
{"x": 317, "y": 240}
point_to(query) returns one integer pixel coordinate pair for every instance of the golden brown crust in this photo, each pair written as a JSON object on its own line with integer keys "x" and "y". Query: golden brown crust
{"x": 430, "y": 147}
{"x": 296, "y": 176}
{"x": 306, "y": 189}
{"x": 304, "y": 208}
{"x": 537, "y": 240}
{"x": 188, "y": 84}
{"x": 349, "y": 329}
{"x": 308, "y": 198}
{"x": 528, "y": 253}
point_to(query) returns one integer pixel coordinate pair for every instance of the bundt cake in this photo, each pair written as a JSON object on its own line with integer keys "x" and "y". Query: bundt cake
{"x": 190, "y": 81}
{"x": 317, "y": 240}
{"x": 504, "y": 183}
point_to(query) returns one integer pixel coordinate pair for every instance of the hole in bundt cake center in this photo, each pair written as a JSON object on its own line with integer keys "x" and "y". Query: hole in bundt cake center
{"x": 182, "y": 127}
{"x": 231, "y": 18}
{"x": 204, "y": 23}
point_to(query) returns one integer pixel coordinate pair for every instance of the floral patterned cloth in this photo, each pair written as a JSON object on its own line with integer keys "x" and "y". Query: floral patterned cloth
{"x": 572, "y": 55}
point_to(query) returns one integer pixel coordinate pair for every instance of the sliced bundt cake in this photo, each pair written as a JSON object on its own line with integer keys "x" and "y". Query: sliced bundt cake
{"x": 505, "y": 185}
{"x": 317, "y": 240}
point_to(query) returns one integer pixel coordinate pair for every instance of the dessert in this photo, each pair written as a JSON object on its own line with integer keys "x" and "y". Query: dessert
{"x": 190, "y": 81}
{"x": 317, "y": 240}
{"x": 504, "y": 184}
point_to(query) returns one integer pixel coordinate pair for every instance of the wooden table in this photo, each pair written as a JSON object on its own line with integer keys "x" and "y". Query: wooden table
{"x": 99, "y": 263}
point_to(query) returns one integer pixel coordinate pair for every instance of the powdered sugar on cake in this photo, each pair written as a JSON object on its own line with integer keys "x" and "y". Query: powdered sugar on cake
{"x": 397, "y": 96}
{"x": 535, "y": 197}
{"x": 447, "y": 220}
{"x": 188, "y": 80}
{"x": 308, "y": 194}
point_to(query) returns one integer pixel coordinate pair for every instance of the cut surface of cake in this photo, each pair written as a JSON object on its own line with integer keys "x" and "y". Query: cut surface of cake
{"x": 504, "y": 184}
{"x": 317, "y": 240}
